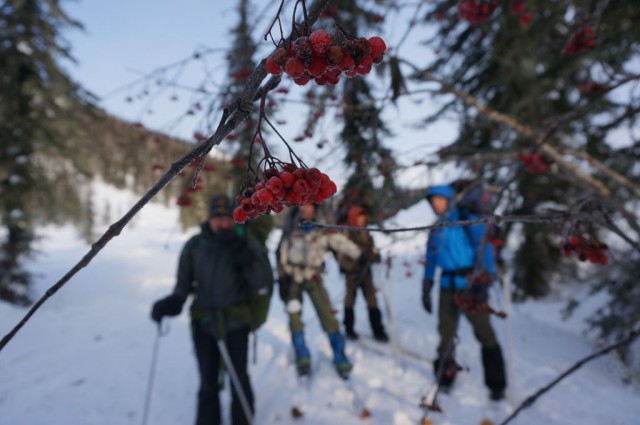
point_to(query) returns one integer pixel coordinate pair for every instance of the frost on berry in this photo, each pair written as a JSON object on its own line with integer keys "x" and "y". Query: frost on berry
{"x": 312, "y": 57}
{"x": 320, "y": 42}
{"x": 271, "y": 66}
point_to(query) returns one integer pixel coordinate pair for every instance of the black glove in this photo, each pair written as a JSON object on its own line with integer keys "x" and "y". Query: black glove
{"x": 284, "y": 286}
{"x": 427, "y": 284}
{"x": 168, "y": 306}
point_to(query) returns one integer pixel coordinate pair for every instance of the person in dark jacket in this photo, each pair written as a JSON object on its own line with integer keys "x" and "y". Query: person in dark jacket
{"x": 467, "y": 266}
{"x": 358, "y": 276}
{"x": 217, "y": 267}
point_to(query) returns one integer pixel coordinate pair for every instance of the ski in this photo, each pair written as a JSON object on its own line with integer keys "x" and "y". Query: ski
{"x": 301, "y": 397}
{"x": 358, "y": 403}
{"x": 386, "y": 349}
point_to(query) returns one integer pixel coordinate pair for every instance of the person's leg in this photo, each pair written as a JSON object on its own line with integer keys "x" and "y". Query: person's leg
{"x": 375, "y": 316}
{"x": 238, "y": 346}
{"x": 209, "y": 366}
{"x": 322, "y": 303}
{"x": 445, "y": 367}
{"x": 294, "y": 309}
{"x": 492, "y": 360}
{"x": 349, "y": 302}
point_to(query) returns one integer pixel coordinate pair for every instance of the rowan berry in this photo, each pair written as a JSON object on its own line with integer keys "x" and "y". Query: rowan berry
{"x": 294, "y": 68}
{"x": 239, "y": 215}
{"x": 320, "y": 42}
{"x": 378, "y": 46}
{"x": 271, "y": 67}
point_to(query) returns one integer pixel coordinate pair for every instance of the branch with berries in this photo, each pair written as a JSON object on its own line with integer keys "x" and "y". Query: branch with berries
{"x": 319, "y": 57}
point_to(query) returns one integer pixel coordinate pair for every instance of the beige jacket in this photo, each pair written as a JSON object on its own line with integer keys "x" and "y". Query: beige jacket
{"x": 302, "y": 255}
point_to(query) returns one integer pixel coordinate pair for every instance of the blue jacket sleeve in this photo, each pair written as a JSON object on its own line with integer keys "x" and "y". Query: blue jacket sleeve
{"x": 431, "y": 254}
{"x": 481, "y": 247}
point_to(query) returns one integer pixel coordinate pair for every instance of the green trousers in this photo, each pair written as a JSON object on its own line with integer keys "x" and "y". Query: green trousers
{"x": 321, "y": 302}
{"x": 360, "y": 279}
{"x": 448, "y": 318}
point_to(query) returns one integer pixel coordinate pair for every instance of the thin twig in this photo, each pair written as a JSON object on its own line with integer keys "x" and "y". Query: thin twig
{"x": 532, "y": 398}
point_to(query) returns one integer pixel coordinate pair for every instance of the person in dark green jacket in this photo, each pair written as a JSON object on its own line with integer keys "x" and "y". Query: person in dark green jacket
{"x": 217, "y": 267}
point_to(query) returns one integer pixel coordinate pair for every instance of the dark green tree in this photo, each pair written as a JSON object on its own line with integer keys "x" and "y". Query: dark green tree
{"x": 565, "y": 69}
{"x": 37, "y": 101}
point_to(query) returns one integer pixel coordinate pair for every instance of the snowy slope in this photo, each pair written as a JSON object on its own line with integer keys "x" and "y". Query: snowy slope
{"x": 84, "y": 358}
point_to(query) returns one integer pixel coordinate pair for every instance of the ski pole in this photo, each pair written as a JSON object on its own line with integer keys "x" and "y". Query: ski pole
{"x": 389, "y": 311}
{"x": 235, "y": 381}
{"x": 152, "y": 371}
{"x": 506, "y": 288}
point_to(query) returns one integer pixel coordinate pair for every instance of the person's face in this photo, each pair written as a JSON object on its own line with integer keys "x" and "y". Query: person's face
{"x": 220, "y": 223}
{"x": 362, "y": 220}
{"x": 307, "y": 212}
{"x": 438, "y": 203}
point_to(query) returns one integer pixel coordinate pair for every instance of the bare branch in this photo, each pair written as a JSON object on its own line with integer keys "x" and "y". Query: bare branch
{"x": 532, "y": 398}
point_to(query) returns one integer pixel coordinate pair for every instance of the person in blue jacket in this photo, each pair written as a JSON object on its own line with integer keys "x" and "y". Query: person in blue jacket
{"x": 467, "y": 265}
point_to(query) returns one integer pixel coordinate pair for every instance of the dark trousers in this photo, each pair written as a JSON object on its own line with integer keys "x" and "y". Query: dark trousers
{"x": 209, "y": 363}
{"x": 448, "y": 318}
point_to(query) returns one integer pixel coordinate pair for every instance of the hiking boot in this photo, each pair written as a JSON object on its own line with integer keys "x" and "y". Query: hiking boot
{"x": 340, "y": 360}
{"x": 303, "y": 367}
{"x": 375, "y": 317}
{"x": 303, "y": 357}
{"x": 352, "y": 335}
{"x": 496, "y": 395}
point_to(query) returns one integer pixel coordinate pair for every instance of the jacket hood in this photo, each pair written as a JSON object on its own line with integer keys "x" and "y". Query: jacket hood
{"x": 443, "y": 190}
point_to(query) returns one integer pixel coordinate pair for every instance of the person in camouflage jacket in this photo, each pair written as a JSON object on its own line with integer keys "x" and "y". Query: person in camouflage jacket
{"x": 301, "y": 262}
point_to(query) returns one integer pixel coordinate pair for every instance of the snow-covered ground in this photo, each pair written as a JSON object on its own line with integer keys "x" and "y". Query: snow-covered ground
{"x": 85, "y": 357}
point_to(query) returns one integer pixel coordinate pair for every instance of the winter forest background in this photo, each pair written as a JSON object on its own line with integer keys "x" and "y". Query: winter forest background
{"x": 100, "y": 105}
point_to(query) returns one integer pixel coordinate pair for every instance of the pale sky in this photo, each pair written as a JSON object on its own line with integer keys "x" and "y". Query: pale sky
{"x": 121, "y": 41}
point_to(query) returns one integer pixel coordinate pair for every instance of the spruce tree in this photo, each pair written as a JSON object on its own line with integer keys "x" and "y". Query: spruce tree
{"x": 37, "y": 98}
{"x": 553, "y": 66}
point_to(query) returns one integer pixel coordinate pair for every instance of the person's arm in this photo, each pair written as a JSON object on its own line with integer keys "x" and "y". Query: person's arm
{"x": 342, "y": 244}
{"x": 430, "y": 256}
{"x": 481, "y": 248}
{"x": 185, "y": 279}
{"x": 256, "y": 267}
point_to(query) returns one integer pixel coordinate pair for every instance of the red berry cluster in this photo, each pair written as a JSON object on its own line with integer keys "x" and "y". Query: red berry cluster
{"x": 318, "y": 57}
{"x": 476, "y": 11}
{"x": 581, "y": 41}
{"x": 535, "y": 163}
{"x": 586, "y": 249}
{"x": 285, "y": 188}
{"x": 517, "y": 8}
{"x": 591, "y": 87}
